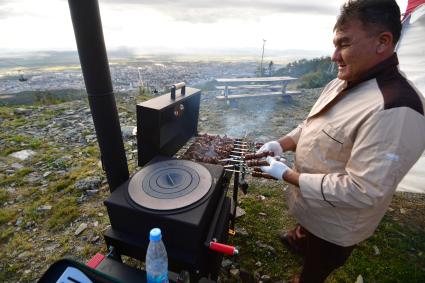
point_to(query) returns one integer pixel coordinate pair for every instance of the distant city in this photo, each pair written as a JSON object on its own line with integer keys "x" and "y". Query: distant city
{"x": 57, "y": 71}
{"x": 127, "y": 76}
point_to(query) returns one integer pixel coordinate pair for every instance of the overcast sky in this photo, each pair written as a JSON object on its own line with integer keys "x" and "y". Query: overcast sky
{"x": 32, "y": 25}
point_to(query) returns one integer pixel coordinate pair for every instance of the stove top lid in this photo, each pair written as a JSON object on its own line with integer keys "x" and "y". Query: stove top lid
{"x": 170, "y": 184}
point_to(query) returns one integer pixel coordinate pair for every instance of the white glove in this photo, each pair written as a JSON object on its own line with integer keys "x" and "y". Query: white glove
{"x": 272, "y": 146}
{"x": 276, "y": 168}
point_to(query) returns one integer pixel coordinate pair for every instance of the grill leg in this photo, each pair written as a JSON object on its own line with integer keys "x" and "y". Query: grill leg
{"x": 235, "y": 200}
{"x": 114, "y": 254}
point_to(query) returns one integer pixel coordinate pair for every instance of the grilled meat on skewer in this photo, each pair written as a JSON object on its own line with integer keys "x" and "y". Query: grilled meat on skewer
{"x": 257, "y": 169}
{"x": 258, "y": 155}
{"x": 256, "y": 162}
{"x": 262, "y": 175}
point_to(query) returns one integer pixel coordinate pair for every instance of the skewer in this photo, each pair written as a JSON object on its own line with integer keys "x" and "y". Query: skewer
{"x": 231, "y": 160}
{"x": 235, "y": 151}
{"x": 253, "y": 174}
{"x": 232, "y": 166}
{"x": 235, "y": 156}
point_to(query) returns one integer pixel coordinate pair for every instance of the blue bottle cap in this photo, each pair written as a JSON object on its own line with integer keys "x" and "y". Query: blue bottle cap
{"x": 155, "y": 234}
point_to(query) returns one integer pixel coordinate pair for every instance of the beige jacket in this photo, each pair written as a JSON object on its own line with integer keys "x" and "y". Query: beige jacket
{"x": 355, "y": 146}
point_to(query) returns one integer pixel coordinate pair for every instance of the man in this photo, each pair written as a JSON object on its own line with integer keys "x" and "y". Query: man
{"x": 364, "y": 133}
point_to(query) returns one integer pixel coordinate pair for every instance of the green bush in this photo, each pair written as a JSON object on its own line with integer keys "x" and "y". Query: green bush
{"x": 312, "y": 73}
{"x": 315, "y": 80}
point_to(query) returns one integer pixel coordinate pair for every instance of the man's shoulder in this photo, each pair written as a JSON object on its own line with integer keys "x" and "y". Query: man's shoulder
{"x": 397, "y": 91}
{"x": 336, "y": 85}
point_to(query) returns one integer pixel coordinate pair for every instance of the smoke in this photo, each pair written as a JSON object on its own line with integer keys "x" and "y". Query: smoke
{"x": 252, "y": 118}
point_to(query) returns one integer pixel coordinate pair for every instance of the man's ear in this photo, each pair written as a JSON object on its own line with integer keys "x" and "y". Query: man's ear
{"x": 385, "y": 42}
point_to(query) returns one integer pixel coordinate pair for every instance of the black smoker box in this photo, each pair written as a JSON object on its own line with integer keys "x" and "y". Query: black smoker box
{"x": 165, "y": 123}
{"x": 186, "y": 199}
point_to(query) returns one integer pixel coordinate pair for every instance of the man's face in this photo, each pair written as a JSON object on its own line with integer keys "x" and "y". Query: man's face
{"x": 355, "y": 50}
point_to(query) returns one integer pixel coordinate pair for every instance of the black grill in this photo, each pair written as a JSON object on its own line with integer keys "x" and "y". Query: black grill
{"x": 164, "y": 125}
{"x": 186, "y": 199}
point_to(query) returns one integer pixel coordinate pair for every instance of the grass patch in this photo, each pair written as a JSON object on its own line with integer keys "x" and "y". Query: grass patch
{"x": 6, "y": 215}
{"x": 91, "y": 151}
{"x": 4, "y": 196}
{"x": 5, "y": 112}
{"x": 6, "y": 234}
{"x": 401, "y": 244}
{"x": 399, "y": 258}
{"x": 64, "y": 212}
{"x": 19, "y": 244}
{"x": 9, "y": 150}
{"x": 35, "y": 143}
{"x": 263, "y": 220}
{"x": 17, "y": 138}
{"x": 13, "y": 123}
{"x": 17, "y": 178}
{"x": 60, "y": 185}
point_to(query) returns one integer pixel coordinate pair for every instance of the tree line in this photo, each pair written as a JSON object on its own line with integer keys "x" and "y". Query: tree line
{"x": 311, "y": 73}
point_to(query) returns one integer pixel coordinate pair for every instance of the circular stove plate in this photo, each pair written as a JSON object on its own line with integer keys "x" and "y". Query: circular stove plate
{"x": 170, "y": 184}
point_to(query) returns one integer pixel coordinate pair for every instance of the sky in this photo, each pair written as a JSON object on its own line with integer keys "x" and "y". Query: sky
{"x": 31, "y": 25}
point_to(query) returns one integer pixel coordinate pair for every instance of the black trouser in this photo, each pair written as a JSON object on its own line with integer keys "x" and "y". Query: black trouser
{"x": 320, "y": 257}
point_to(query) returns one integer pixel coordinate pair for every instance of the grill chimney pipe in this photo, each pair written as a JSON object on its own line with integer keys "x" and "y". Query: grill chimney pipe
{"x": 94, "y": 64}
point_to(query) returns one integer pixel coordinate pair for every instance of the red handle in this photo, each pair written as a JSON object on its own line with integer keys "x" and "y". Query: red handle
{"x": 222, "y": 248}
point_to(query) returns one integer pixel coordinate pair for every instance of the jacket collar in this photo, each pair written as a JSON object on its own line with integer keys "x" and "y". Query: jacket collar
{"x": 327, "y": 101}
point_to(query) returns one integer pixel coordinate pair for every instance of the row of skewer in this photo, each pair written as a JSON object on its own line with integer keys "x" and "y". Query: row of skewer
{"x": 234, "y": 154}
{"x": 245, "y": 162}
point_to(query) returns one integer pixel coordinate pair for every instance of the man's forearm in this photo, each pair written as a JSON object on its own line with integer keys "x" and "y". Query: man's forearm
{"x": 287, "y": 143}
{"x": 292, "y": 177}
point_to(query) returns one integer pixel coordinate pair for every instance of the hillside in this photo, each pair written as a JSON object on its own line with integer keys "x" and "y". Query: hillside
{"x": 52, "y": 202}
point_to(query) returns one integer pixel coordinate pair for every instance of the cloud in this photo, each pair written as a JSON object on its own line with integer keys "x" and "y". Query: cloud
{"x": 212, "y": 11}
{"x": 7, "y": 10}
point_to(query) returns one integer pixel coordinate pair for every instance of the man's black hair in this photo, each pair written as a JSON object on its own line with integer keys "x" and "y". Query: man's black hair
{"x": 375, "y": 15}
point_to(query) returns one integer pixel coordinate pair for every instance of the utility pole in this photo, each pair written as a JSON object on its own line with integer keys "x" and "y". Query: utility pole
{"x": 262, "y": 56}
{"x": 141, "y": 84}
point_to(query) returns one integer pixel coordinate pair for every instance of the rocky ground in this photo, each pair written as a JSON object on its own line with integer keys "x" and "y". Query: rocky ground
{"x": 52, "y": 189}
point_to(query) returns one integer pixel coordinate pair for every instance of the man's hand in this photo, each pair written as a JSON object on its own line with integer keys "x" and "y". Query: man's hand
{"x": 272, "y": 146}
{"x": 276, "y": 168}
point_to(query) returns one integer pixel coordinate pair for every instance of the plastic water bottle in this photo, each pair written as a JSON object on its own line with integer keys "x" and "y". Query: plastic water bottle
{"x": 156, "y": 258}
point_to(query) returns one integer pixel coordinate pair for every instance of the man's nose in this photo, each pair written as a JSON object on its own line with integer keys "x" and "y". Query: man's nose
{"x": 336, "y": 55}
